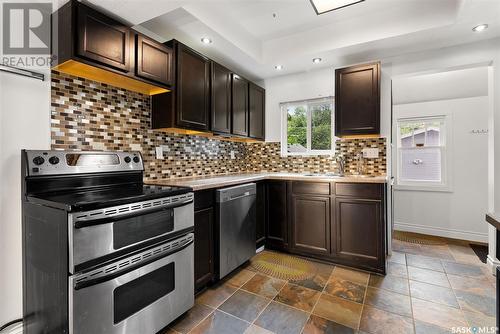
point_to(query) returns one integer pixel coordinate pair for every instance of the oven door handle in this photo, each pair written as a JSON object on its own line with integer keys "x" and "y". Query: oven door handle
{"x": 133, "y": 267}
{"x": 86, "y": 222}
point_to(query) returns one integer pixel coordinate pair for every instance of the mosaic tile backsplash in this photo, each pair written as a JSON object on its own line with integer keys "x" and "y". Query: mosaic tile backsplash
{"x": 88, "y": 115}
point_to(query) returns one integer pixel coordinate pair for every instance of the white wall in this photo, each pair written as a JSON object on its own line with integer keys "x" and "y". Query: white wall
{"x": 460, "y": 212}
{"x": 24, "y": 123}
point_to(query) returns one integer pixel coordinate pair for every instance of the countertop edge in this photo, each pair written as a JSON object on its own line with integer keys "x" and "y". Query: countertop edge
{"x": 239, "y": 179}
{"x": 493, "y": 219}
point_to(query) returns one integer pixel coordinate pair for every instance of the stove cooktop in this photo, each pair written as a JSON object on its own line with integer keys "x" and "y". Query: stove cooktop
{"x": 97, "y": 198}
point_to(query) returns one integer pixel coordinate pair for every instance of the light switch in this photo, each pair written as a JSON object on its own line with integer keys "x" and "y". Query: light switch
{"x": 159, "y": 152}
{"x": 232, "y": 155}
{"x": 370, "y": 153}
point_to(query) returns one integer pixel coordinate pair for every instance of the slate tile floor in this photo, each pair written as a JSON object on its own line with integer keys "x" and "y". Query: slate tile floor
{"x": 428, "y": 289}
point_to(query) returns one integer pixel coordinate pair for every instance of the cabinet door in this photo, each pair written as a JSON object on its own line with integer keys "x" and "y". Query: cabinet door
{"x": 239, "y": 105}
{"x": 102, "y": 39}
{"x": 193, "y": 89}
{"x": 310, "y": 224}
{"x": 203, "y": 247}
{"x": 256, "y": 97}
{"x": 154, "y": 60}
{"x": 261, "y": 214}
{"x": 359, "y": 231}
{"x": 221, "y": 99}
{"x": 357, "y": 100}
{"x": 276, "y": 214}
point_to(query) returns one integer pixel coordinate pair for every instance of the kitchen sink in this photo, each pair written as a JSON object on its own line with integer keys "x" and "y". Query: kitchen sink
{"x": 322, "y": 174}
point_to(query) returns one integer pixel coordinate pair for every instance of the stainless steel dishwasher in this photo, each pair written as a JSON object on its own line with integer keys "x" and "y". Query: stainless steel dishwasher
{"x": 236, "y": 216}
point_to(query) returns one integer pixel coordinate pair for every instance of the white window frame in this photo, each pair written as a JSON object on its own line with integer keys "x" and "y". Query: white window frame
{"x": 445, "y": 185}
{"x": 284, "y": 127}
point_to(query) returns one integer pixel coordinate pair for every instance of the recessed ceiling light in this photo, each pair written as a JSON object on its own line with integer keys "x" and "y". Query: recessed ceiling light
{"x": 317, "y": 60}
{"x": 206, "y": 40}
{"x": 479, "y": 28}
{"x": 323, "y": 6}
{"x": 278, "y": 67}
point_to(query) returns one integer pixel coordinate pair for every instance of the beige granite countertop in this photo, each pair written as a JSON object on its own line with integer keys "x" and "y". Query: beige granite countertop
{"x": 217, "y": 181}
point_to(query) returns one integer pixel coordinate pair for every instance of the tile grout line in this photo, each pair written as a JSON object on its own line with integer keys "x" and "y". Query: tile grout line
{"x": 217, "y": 308}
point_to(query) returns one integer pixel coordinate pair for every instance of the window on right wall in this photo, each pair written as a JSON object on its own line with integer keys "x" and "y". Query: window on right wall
{"x": 423, "y": 153}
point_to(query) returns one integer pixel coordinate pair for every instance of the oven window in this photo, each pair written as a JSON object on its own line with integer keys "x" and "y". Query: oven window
{"x": 143, "y": 291}
{"x": 131, "y": 230}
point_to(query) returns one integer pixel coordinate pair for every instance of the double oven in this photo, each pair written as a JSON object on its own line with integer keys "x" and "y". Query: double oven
{"x": 130, "y": 250}
{"x": 145, "y": 288}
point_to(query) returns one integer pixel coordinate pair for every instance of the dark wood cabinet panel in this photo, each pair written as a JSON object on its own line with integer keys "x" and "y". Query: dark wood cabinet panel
{"x": 359, "y": 233}
{"x": 102, "y": 39}
{"x": 192, "y": 88}
{"x": 357, "y": 100}
{"x": 153, "y": 60}
{"x": 261, "y": 214}
{"x": 203, "y": 247}
{"x": 239, "y": 109}
{"x": 221, "y": 99}
{"x": 360, "y": 190}
{"x": 257, "y": 111}
{"x": 310, "y": 221}
{"x": 314, "y": 188}
{"x": 276, "y": 214}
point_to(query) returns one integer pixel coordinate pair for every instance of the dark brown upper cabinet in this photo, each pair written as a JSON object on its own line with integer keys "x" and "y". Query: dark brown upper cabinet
{"x": 239, "y": 109}
{"x": 102, "y": 39}
{"x": 153, "y": 60}
{"x": 357, "y": 100}
{"x": 92, "y": 45}
{"x": 221, "y": 99}
{"x": 188, "y": 105}
{"x": 256, "y": 98}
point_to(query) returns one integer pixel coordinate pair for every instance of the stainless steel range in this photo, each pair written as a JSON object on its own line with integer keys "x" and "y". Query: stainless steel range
{"x": 103, "y": 252}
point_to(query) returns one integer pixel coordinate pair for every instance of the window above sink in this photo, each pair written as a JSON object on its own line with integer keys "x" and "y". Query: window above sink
{"x": 307, "y": 127}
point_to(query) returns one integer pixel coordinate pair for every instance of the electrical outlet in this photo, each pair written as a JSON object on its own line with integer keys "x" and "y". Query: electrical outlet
{"x": 370, "y": 153}
{"x": 159, "y": 152}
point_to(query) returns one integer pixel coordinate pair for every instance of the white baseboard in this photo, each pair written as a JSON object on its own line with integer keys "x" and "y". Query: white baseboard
{"x": 441, "y": 232}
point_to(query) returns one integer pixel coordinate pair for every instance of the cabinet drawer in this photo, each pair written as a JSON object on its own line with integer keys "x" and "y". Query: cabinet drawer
{"x": 359, "y": 190}
{"x": 315, "y": 188}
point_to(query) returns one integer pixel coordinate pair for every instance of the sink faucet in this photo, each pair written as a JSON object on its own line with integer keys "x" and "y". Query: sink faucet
{"x": 361, "y": 163}
{"x": 341, "y": 164}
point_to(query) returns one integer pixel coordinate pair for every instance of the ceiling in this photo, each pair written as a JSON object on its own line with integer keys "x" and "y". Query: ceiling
{"x": 252, "y": 36}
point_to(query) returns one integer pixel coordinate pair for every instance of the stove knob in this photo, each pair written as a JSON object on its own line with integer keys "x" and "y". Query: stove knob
{"x": 127, "y": 159}
{"x": 38, "y": 160}
{"x": 54, "y": 160}
{"x": 137, "y": 160}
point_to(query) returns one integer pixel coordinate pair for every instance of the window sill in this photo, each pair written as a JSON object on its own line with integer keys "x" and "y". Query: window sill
{"x": 310, "y": 154}
{"x": 423, "y": 187}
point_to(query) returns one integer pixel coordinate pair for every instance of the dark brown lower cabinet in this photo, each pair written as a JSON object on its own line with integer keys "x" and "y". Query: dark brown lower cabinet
{"x": 260, "y": 236}
{"x": 359, "y": 232}
{"x": 276, "y": 215}
{"x": 203, "y": 247}
{"x": 204, "y": 241}
{"x": 310, "y": 221}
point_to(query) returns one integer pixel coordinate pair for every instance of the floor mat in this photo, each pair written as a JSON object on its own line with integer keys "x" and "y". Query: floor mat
{"x": 415, "y": 238}
{"x": 481, "y": 251}
{"x": 283, "y": 266}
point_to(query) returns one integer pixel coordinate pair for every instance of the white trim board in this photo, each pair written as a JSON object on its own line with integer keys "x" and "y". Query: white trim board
{"x": 441, "y": 232}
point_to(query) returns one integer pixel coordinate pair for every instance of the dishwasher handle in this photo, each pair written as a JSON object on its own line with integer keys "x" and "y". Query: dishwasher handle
{"x": 234, "y": 193}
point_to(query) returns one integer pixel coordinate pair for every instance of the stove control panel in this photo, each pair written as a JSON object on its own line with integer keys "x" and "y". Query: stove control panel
{"x": 54, "y": 162}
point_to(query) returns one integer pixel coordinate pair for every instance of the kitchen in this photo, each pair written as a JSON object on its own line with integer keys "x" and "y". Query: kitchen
{"x": 251, "y": 194}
